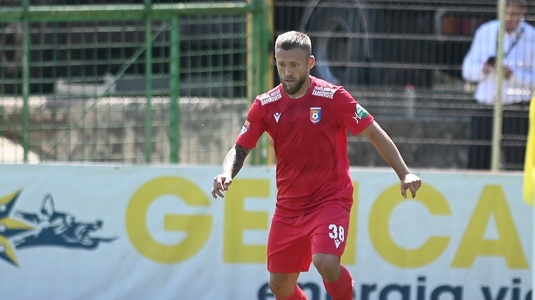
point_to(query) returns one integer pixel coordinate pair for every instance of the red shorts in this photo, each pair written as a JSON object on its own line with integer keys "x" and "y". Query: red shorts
{"x": 293, "y": 240}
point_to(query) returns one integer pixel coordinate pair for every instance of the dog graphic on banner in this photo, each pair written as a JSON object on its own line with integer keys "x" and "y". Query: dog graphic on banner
{"x": 56, "y": 228}
{"x": 46, "y": 227}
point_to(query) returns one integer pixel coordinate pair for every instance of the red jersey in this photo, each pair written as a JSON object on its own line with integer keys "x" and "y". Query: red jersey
{"x": 310, "y": 142}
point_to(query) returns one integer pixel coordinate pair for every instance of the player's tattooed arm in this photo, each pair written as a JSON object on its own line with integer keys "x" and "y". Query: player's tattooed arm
{"x": 232, "y": 164}
{"x": 234, "y": 159}
{"x": 241, "y": 154}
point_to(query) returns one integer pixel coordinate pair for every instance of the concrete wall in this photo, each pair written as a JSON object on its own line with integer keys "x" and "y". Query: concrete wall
{"x": 113, "y": 130}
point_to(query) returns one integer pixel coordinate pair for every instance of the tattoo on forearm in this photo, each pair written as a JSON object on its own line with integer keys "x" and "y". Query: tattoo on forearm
{"x": 241, "y": 154}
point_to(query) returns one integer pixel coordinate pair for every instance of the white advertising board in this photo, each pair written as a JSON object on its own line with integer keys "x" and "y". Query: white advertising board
{"x": 152, "y": 232}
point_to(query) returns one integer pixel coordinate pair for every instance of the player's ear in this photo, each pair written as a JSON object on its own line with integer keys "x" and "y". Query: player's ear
{"x": 311, "y": 61}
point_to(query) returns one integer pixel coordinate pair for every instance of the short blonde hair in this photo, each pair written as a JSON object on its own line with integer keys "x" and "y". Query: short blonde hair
{"x": 294, "y": 39}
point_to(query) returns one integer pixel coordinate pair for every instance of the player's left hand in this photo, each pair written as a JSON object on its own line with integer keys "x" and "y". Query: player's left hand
{"x": 410, "y": 182}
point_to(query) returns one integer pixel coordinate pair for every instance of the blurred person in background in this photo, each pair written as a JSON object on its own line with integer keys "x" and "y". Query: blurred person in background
{"x": 479, "y": 66}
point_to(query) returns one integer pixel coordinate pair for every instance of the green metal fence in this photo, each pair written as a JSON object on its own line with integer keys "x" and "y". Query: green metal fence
{"x": 128, "y": 81}
{"x": 159, "y": 81}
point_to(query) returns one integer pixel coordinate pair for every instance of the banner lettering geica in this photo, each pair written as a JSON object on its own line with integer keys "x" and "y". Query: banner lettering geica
{"x": 154, "y": 232}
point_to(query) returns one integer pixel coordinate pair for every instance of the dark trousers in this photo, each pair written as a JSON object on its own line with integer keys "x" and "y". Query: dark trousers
{"x": 515, "y": 131}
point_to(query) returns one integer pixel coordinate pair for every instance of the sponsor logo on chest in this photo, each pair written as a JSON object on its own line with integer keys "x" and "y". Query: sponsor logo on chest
{"x": 324, "y": 92}
{"x": 270, "y": 97}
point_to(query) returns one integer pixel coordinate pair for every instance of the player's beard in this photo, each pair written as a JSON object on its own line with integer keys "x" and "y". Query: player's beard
{"x": 291, "y": 90}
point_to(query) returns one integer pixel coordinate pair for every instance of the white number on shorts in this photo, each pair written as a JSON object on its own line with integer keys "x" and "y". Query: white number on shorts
{"x": 337, "y": 232}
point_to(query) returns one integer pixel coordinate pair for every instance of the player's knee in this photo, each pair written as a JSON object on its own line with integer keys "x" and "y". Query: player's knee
{"x": 281, "y": 285}
{"x": 328, "y": 265}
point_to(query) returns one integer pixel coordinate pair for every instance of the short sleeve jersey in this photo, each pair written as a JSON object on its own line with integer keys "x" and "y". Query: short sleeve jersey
{"x": 310, "y": 143}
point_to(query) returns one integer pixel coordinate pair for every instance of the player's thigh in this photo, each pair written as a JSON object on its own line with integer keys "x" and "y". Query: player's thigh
{"x": 288, "y": 250}
{"x": 329, "y": 228}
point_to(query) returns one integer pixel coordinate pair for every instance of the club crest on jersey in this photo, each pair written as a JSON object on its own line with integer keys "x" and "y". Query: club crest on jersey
{"x": 315, "y": 115}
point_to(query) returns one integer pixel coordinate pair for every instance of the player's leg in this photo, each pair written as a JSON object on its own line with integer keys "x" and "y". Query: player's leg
{"x": 339, "y": 284}
{"x": 328, "y": 265}
{"x": 288, "y": 255}
{"x": 284, "y": 286}
{"x": 330, "y": 227}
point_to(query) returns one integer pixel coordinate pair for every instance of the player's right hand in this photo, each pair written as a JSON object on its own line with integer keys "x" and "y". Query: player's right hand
{"x": 220, "y": 184}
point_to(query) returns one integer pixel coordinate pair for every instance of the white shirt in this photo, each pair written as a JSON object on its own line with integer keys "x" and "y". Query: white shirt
{"x": 521, "y": 60}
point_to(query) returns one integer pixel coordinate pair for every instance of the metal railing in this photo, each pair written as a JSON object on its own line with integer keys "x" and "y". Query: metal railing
{"x": 128, "y": 81}
{"x": 402, "y": 60}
